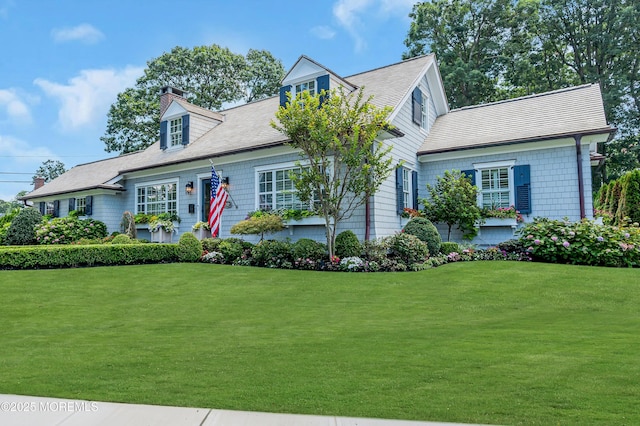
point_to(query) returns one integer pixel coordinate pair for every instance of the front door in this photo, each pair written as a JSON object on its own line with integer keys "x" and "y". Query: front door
{"x": 205, "y": 201}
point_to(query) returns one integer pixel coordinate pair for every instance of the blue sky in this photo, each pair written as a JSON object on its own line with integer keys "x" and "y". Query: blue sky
{"x": 64, "y": 62}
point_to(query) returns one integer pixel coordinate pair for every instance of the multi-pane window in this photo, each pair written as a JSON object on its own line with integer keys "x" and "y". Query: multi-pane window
{"x": 494, "y": 189}
{"x": 49, "y": 208}
{"x": 309, "y": 86}
{"x": 424, "y": 112}
{"x": 406, "y": 188}
{"x": 175, "y": 131}
{"x": 156, "y": 199}
{"x": 81, "y": 205}
{"x": 276, "y": 190}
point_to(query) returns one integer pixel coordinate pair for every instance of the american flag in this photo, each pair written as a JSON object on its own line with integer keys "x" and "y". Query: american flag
{"x": 218, "y": 200}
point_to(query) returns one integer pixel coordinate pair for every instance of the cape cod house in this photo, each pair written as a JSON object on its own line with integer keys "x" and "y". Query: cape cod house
{"x": 533, "y": 152}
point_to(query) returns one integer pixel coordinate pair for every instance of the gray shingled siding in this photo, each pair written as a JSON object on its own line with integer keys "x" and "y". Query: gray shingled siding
{"x": 386, "y": 220}
{"x": 554, "y": 185}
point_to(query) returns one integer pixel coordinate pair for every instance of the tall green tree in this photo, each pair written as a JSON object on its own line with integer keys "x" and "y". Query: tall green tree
{"x": 49, "y": 170}
{"x": 494, "y": 49}
{"x": 468, "y": 39}
{"x": 344, "y": 162}
{"x": 211, "y": 76}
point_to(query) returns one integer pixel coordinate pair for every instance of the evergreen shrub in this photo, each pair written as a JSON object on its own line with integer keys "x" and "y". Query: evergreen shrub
{"x": 347, "y": 245}
{"x": 22, "y": 229}
{"x": 189, "y": 248}
{"x": 425, "y": 230}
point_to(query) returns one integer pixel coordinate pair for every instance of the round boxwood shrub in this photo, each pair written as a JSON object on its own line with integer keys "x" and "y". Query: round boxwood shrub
{"x": 408, "y": 248}
{"x": 22, "y": 229}
{"x": 449, "y": 247}
{"x": 121, "y": 239}
{"x": 347, "y": 245}
{"x": 189, "y": 248}
{"x": 426, "y": 232}
{"x": 306, "y": 248}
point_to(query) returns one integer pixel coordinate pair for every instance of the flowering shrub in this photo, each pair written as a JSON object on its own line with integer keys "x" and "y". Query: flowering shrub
{"x": 408, "y": 248}
{"x": 272, "y": 254}
{"x": 353, "y": 263}
{"x": 410, "y": 213}
{"x": 213, "y": 257}
{"x": 582, "y": 243}
{"x": 66, "y": 230}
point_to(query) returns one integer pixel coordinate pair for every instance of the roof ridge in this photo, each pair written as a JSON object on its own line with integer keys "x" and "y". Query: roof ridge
{"x": 533, "y": 95}
{"x": 404, "y": 61}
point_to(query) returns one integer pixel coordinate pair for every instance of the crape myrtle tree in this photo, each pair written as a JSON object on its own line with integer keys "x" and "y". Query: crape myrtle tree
{"x": 211, "y": 77}
{"x": 490, "y": 50}
{"x": 343, "y": 162}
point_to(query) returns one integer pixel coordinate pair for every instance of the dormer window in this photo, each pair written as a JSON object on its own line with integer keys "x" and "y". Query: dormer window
{"x": 309, "y": 86}
{"x": 175, "y": 132}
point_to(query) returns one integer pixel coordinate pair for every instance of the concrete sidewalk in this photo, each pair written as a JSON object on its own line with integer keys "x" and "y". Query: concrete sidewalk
{"x": 18, "y": 410}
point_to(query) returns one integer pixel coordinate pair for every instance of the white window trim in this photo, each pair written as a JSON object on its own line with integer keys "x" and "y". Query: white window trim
{"x": 424, "y": 113}
{"x": 406, "y": 189}
{"x": 294, "y": 91}
{"x": 157, "y": 182}
{"x": 479, "y": 167}
{"x": 274, "y": 168}
{"x": 84, "y": 200}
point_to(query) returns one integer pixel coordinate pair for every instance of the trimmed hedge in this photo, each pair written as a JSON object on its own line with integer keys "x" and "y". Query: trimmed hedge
{"x": 65, "y": 256}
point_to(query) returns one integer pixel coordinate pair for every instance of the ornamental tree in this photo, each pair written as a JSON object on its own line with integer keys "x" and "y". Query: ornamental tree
{"x": 453, "y": 201}
{"x": 344, "y": 162}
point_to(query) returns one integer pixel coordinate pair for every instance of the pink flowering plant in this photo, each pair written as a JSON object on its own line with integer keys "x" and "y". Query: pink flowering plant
{"x": 67, "y": 230}
{"x": 582, "y": 243}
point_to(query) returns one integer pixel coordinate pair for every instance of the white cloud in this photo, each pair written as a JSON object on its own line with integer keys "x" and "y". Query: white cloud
{"x": 20, "y": 152}
{"x": 353, "y": 15}
{"x": 87, "y": 97}
{"x": 347, "y": 13}
{"x": 15, "y": 108}
{"x": 84, "y": 33}
{"x": 323, "y": 32}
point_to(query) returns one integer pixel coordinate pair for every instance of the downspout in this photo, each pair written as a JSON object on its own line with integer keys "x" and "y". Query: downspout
{"x": 367, "y": 219}
{"x": 578, "y": 139}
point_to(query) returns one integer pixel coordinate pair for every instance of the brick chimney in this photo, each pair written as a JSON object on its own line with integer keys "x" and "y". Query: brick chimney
{"x": 38, "y": 182}
{"x": 167, "y": 94}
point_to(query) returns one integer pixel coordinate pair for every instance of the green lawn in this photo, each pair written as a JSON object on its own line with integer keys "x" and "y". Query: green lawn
{"x": 483, "y": 342}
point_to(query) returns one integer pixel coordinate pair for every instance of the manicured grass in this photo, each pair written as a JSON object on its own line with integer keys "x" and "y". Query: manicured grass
{"x": 482, "y": 342}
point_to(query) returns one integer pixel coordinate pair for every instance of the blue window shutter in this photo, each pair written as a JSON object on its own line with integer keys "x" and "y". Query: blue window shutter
{"x": 471, "y": 174}
{"x": 399, "y": 191}
{"x": 72, "y": 204}
{"x": 416, "y": 105}
{"x": 42, "y": 208}
{"x": 56, "y": 208}
{"x": 522, "y": 184}
{"x": 185, "y": 129}
{"x": 163, "y": 134}
{"x": 88, "y": 208}
{"x": 414, "y": 187}
{"x": 322, "y": 83}
{"x": 283, "y": 95}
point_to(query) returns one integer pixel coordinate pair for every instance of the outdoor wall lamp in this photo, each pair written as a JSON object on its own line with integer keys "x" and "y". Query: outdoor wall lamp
{"x": 225, "y": 182}
{"x": 189, "y": 188}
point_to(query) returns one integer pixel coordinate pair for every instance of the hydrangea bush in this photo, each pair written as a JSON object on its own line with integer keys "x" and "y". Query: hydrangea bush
{"x": 66, "y": 230}
{"x": 582, "y": 243}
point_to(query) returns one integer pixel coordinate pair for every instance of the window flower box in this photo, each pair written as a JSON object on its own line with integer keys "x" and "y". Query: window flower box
{"x": 500, "y": 221}
{"x": 161, "y": 235}
{"x": 310, "y": 220}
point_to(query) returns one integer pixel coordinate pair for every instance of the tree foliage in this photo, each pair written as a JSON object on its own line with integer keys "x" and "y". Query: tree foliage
{"x": 453, "y": 201}
{"x": 211, "y": 76}
{"x": 497, "y": 49}
{"x": 344, "y": 161}
{"x": 259, "y": 225}
{"x": 50, "y": 169}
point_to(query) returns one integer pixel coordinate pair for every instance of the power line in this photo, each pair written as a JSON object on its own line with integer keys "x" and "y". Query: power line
{"x": 16, "y": 181}
{"x": 15, "y": 173}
